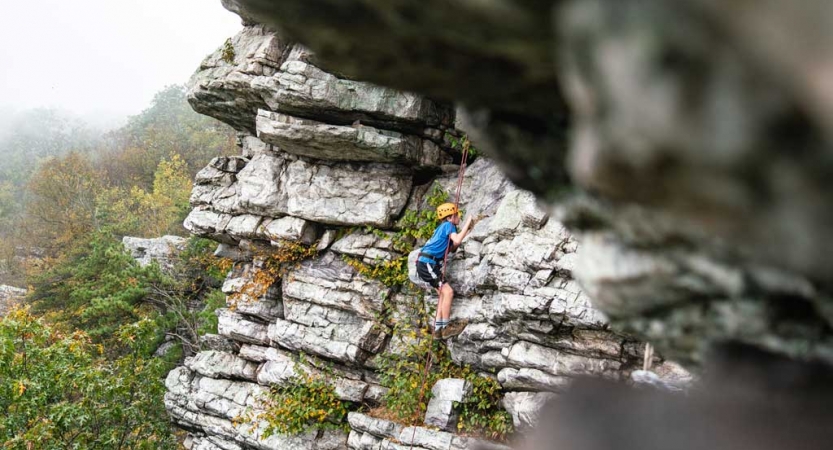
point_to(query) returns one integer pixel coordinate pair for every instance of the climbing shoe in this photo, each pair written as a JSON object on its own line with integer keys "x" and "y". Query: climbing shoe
{"x": 454, "y": 328}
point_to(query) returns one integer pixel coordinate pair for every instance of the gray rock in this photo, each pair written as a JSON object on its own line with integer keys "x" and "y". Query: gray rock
{"x": 210, "y": 443}
{"x": 292, "y": 229}
{"x": 377, "y": 427}
{"x": 249, "y": 298}
{"x": 255, "y": 353}
{"x": 426, "y": 438}
{"x": 650, "y": 379}
{"x": 531, "y": 379}
{"x": 164, "y": 250}
{"x": 244, "y": 226}
{"x": 223, "y": 89}
{"x": 369, "y": 247}
{"x": 237, "y": 327}
{"x": 345, "y": 143}
{"x": 317, "y": 340}
{"x": 326, "y": 240}
{"x": 213, "y": 406}
{"x": 554, "y": 362}
{"x": 375, "y": 393}
{"x": 9, "y": 297}
{"x": 206, "y": 223}
{"x": 232, "y": 252}
{"x": 303, "y": 90}
{"x": 328, "y": 281}
{"x": 441, "y": 411}
{"x": 525, "y": 407}
{"x": 490, "y": 65}
{"x": 218, "y": 343}
{"x": 342, "y": 195}
{"x": 270, "y": 185}
{"x": 251, "y": 146}
{"x": 281, "y": 367}
{"x": 260, "y": 185}
{"x": 214, "y": 364}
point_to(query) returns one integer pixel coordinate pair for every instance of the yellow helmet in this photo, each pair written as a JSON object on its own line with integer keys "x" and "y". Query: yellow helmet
{"x": 445, "y": 210}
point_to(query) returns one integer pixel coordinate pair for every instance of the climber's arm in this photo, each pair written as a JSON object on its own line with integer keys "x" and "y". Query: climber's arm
{"x": 457, "y": 238}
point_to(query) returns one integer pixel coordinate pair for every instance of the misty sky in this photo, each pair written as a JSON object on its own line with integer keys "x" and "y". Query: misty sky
{"x": 94, "y": 56}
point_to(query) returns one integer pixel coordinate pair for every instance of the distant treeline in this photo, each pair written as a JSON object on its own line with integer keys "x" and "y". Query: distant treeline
{"x": 61, "y": 179}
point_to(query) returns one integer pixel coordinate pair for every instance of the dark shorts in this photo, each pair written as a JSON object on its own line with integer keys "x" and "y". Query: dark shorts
{"x": 431, "y": 273}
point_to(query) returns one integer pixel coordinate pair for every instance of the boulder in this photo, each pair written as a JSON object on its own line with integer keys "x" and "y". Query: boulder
{"x": 163, "y": 250}
{"x": 446, "y": 394}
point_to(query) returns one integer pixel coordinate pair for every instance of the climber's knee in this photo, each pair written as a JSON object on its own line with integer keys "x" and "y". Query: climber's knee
{"x": 446, "y": 289}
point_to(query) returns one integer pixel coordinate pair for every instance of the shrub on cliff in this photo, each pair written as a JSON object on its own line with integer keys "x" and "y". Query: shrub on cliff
{"x": 97, "y": 288}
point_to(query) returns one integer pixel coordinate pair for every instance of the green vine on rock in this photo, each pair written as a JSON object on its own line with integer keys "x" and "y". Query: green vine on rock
{"x": 462, "y": 143}
{"x": 402, "y": 371}
{"x": 391, "y": 273}
{"x": 274, "y": 264}
{"x": 306, "y": 401}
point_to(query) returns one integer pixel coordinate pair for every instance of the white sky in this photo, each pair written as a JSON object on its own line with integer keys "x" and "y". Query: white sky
{"x": 95, "y": 56}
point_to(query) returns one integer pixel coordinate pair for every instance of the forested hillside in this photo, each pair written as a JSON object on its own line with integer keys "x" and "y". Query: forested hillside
{"x": 81, "y": 360}
{"x": 60, "y": 180}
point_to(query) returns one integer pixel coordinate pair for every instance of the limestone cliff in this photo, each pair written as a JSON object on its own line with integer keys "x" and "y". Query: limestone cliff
{"x": 687, "y": 144}
{"x": 323, "y": 157}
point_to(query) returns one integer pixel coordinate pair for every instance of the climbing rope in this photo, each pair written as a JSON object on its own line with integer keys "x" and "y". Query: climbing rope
{"x": 461, "y": 174}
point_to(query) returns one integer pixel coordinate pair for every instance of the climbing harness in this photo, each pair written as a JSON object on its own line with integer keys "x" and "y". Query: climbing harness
{"x": 428, "y": 361}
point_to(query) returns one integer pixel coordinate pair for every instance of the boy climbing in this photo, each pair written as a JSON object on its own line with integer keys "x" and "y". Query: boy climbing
{"x": 430, "y": 264}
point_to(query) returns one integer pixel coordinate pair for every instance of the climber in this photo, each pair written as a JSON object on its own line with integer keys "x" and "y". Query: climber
{"x": 430, "y": 264}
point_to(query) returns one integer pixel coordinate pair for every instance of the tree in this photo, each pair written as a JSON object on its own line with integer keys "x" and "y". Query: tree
{"x": 63, "y": 202}
{"x": 168, "y": 128}
{"x": 58, "y": 392}
{"x": 97, "y": 287}
{"x": 136, "y": 212}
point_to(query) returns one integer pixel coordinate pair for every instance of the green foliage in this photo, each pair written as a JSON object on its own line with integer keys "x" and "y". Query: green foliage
{"x": 195, "y": 277}
{"x": 8, "y": 206}
{"x": 57, "y": 392}
{"x": 417, "y": 225}
{"x": 76, "y": 192}
{"x": 409, "y": 381}
{"x": 98, "y": 287}
{"x": 482, "y": 412}
{"x": 286, "y": 255}
{"x": 168, "y": 127}
{"x": 207, "y": 319}
{"x": 62, "y": 204}
{"x": 199, "y": 264}
{"x": 390, "y": 273}
{"x": 149, "y": 214}
{"x": 305, "y": 402}
{"x": 461, "y": 143}
{"x": 228, "y": 52}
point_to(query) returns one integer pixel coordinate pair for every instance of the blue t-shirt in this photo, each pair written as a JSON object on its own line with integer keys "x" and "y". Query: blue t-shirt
{"x": 439, "y": 242}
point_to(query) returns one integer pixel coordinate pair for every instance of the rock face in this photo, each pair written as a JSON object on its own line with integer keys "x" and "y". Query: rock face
{"x": 686, "y": 144}
{"x": 324, "y": 157}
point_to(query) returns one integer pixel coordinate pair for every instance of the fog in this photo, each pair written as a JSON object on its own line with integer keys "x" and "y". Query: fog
{"x": 103, "y": 59}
